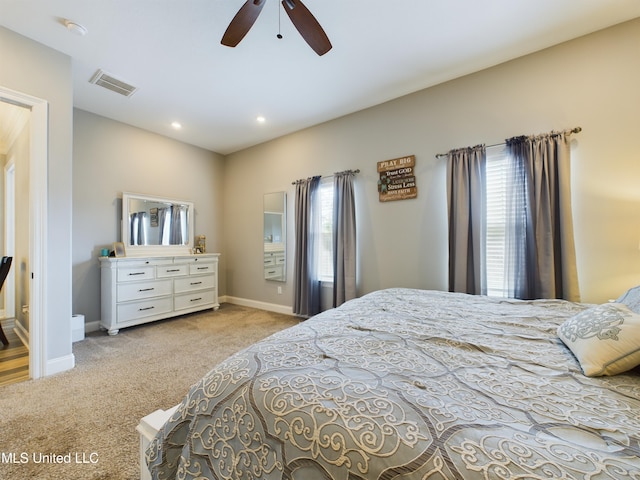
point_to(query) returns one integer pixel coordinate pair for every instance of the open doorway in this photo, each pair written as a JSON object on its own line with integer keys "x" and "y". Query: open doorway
{"x": 15, "y": 133}
{"x": 29, "y": 208}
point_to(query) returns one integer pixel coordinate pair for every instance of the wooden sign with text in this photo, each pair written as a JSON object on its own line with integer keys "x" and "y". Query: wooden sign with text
{"x": 397, "y": 179}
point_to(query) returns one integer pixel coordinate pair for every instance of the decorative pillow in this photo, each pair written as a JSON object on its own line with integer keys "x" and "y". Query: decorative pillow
{"x": 631, "y": 298}
{"x": 605, "y": 339}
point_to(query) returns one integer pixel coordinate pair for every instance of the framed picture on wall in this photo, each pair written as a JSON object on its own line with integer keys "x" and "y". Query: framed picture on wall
{"x": 118, "y": 249}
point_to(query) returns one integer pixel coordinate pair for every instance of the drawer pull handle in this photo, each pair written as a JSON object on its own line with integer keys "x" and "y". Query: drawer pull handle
{"x": 136, "y": 273}
{"x": 203, "y": 268}
{"x": 146, "y": 289}
{"x": 196, "y": 299}
{"x": 196, "y": 283}
{"x": 146, "y": 308}
{"x": 174, "y": 270}
{"x": 272, "y": 271}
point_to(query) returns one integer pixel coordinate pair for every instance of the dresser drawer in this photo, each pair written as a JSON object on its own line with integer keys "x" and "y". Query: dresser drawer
{"x": 145, "y": 308}
{"x": 165, "y": 271}
{"x": 201, "y": 268}
{"x": 135, "y": 274}
{"x": 190, "y": 284}
{"x": 137, "y": 291}
{"x": 194, "y": 299}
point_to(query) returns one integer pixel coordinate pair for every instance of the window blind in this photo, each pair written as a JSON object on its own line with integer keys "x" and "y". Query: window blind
{"x": 325, "y": 257}
{"x": 496, "y": 191}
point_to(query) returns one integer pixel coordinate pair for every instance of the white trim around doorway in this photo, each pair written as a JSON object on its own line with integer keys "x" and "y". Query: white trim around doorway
{"x": 37, "y": 227}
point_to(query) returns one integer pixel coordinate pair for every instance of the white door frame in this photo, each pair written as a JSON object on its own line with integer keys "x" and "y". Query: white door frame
{"x": 38, "y": 210}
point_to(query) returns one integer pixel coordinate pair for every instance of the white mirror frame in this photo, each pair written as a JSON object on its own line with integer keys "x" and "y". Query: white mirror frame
{"x": 155, "y": 250}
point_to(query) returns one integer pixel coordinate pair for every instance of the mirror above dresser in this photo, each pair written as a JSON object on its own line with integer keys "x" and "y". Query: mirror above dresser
{"x": 156, "y": 225}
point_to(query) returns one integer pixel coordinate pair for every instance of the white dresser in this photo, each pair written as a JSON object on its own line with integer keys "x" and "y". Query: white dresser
{"x": 138, "y": 290}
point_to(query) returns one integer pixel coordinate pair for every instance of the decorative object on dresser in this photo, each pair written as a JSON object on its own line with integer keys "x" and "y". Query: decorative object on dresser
{"x": 118, "y": 249}
{"x": 144, "y": 289}
{"x": 202, "y": 244}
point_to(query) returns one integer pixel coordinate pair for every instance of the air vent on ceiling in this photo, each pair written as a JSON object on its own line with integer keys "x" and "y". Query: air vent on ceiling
{"x": 111, "y": 83}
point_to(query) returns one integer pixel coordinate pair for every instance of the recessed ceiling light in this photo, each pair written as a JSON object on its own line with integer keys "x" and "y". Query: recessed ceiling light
{"x": 75, "y": 28}
{"x": 176, "y": 125}
{"x": 261, "y": 119}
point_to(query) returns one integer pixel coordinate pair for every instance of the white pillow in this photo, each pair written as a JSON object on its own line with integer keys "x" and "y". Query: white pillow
{"x": 631, "y": 298}
{"x": 605, "y": 339}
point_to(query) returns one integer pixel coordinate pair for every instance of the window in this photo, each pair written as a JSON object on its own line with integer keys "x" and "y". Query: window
{"x": 496, "y": 219}
{"x": 325, "y": 257}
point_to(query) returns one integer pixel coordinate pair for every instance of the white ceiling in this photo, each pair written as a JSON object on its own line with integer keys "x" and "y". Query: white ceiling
{"x": 382, "y": 49}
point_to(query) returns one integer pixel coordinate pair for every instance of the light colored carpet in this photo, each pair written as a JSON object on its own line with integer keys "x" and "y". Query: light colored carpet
{"x": 89, "y": 414}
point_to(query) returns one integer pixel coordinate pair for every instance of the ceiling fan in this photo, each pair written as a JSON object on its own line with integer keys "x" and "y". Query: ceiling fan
{"x": 300, "y": 16}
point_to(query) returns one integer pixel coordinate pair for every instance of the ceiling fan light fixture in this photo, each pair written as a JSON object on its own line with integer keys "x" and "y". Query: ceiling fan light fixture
{"x": 300, "y": 16}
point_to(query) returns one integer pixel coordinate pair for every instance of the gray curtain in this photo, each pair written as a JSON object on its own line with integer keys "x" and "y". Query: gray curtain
{"x": 172, "y": 225}
{"x": 164, "y": 225}
{"x": 344, "y": 238}
{"x": 306, "y": 293}
{"x": 178, "y": 223}
{"x": 540, "y": 247}
{"x": 466, "y": 202}
{"x": 139, "y": 228}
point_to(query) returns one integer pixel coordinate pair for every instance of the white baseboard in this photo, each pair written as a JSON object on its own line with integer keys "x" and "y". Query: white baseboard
{"x": 22, "y": 334}
{"x": 92, "y": 326}
{"x": 60, "y": 364}
{"x": 270, "y": 307}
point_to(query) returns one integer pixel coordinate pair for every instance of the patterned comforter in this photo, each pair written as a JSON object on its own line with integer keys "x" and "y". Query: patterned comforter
{"x": 408, "y": 384}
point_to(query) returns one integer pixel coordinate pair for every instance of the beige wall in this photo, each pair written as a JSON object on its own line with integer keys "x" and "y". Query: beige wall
{"x": 590, "y": 82}
{"x": 110, "y": 157}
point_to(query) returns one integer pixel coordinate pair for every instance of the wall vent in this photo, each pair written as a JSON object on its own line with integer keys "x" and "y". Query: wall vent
{"x": 111, "y": 83}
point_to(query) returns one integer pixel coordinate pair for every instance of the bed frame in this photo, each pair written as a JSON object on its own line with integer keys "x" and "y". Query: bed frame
{"x": 147, "y": 429}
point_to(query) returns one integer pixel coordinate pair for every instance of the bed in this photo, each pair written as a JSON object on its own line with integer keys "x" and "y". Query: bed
{"x": 412, "y": 384}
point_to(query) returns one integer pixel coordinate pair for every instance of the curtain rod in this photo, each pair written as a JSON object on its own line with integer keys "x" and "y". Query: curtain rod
{"x": 573, "y": 130}
{"x": 333, "y": 174}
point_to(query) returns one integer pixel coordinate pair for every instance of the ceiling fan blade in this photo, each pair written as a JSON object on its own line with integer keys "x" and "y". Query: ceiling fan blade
{"x": 307, "y": 25}
{"x": 242, "y": 22}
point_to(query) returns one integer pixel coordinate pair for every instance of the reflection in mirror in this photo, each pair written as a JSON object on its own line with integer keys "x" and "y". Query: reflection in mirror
{"x": 274, "y": 235}
{"x": 156, "y": 225}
